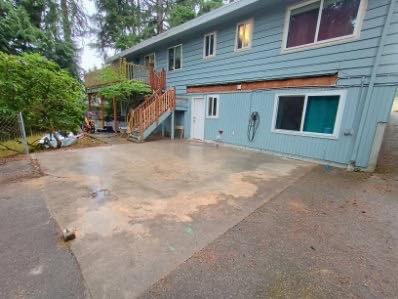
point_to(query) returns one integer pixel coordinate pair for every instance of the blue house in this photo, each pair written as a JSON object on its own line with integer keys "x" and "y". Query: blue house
{"x": 313, "y": 79}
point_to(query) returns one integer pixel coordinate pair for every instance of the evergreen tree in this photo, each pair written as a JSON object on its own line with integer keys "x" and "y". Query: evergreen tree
{"x": 124, "y": 23}
{"x": 47, "y": 27}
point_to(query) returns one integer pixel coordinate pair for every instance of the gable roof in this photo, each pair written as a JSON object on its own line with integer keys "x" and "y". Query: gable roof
{"x": 227, "y": 9}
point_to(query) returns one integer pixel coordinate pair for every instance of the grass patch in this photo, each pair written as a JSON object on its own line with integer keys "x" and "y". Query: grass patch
{"x": 15, "y": 147}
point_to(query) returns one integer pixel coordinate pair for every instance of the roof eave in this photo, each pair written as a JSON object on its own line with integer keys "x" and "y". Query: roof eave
{"x": 195, "y": 23}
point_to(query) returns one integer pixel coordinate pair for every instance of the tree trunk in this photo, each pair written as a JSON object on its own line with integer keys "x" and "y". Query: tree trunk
{"x": 66, "y": 22}
{"x": 159, "y": 16}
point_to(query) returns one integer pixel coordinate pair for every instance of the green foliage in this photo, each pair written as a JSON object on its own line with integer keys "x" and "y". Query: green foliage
{"x": 16, "y": 31}
{"x": 180, "y": 14}
{"x": 123, "y": 89}
{"x": 42, "y": 26}
{"x": 49, "y": 97}
{"x": 122, "y": 24}
{"x": 208, "y": 5}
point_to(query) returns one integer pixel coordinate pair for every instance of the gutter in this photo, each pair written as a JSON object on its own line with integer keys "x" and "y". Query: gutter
{"x": 204, "y": 19}
{"x": 372, "y": 81}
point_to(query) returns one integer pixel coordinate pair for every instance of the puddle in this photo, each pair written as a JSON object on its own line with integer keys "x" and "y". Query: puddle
{"x": 103, "y": 195}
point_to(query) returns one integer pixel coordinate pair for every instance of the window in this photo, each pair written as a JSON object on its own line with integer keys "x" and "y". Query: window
{"x": 244, "y": 35}
{"x": 311, "y": 114}
{"x": 212, "y": 106}
{"x": 209, "y": 47}
{"x": 175, "y": 58}
{"x": 315, "y": 22}
{"x": 149, "y": 60}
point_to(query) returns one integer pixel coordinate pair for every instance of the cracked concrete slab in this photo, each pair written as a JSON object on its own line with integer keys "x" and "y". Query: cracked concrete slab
{"x": 140, "y": 210}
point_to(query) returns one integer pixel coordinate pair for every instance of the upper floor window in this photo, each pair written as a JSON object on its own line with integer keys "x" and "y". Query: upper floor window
{"x": 175, "y": 58}
{"x": 244, "y": 32}
{"x": 209, "y": 46}
{"x": 319, "y": 21}
{"x": 149, "y": 60}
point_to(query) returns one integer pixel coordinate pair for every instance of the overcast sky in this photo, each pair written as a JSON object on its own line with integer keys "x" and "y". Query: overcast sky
{"x": 90, "y": 58}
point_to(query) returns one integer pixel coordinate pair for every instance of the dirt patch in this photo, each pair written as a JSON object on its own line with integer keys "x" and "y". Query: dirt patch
{"x": 19, "y": 168}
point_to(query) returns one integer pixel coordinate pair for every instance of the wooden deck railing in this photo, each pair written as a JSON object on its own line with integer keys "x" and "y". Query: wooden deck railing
{"x": 121, "y": 68}
{"x": 151, "y": 109}
{"x": 157, "y": 80}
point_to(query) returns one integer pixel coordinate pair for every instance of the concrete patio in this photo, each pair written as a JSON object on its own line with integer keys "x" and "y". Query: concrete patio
{"x": 141, "y": 210}
{"x": 179, "y": 219}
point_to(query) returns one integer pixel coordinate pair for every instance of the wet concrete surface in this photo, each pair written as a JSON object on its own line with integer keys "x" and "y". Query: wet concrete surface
{"x": 34, "y": 263}
{"x": 140, "y": 210}
{"x": 332, "y": 234}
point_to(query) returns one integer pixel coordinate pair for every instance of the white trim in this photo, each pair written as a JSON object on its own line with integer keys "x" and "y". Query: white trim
{"x": 192, "y": 112}
{"x": 207, "y": 106}
{"x": 168, "y": 58}
{"x": 316, "y": 44}
{"x": 250, "y": 22}
{"x": 339, "y": 114}
{"x": 214, "y": 33}
{"x": 154, "y": 58}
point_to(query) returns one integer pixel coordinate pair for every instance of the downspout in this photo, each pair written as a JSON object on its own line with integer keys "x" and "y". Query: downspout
{"x": 373, "y": 76}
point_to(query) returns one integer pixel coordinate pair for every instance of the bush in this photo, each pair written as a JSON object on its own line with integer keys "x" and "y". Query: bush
{"x": 49, "y": 97}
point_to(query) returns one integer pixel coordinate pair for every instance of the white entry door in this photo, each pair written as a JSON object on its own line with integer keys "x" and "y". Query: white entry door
{"x": 198, "y": 118}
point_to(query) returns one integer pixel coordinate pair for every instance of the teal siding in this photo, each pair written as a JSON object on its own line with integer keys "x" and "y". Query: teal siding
{"x": 235, "y": 109}
{"x": 265, "y": 60}
{"x": 353, "y": 61}
{"x": 238, "y": 106}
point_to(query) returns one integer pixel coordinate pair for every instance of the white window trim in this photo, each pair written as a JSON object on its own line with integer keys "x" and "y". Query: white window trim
{"x": 337, "y": 124}
{"x": 251, "y": 23}
{"x": 207, "y": 105}
{"x": 154, "y": 58}
{"x": 168, "y": 59}
{"x": 215, "y": 45}
{"x": 317, "y": 44}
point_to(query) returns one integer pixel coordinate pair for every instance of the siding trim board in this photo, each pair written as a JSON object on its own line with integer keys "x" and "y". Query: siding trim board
{"x": 310, "y": 81}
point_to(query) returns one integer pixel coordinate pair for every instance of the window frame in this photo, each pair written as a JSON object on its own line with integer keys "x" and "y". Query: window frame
{"x": 154, "y": 58}
{"x": 317, "y": 44}
{"x": 208, "y": 104}
{"x": 168, "y": 58}
{"x": 251, "y": 23}
{"x": 214, "y": 33}
{"x": 339, "y": 114}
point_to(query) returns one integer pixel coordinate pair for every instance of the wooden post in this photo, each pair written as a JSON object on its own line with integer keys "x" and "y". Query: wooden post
{"x": 115, "y": 122}
{"x": 102, "y": 112}
{"x": 89, "y": 102}
{"x": 172, "y": 125}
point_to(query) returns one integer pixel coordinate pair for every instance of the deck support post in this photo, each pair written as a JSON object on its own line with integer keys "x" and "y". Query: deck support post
{"x": 89, "y": 101}
{"x": 114, "y": 114}
{"x": 102, "y": 112}
{"x": 163, "y": 130}
{"x": 172, "y": 125}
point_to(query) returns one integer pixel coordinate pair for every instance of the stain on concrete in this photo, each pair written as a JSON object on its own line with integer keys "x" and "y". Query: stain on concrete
{"x": 154, "y": 204}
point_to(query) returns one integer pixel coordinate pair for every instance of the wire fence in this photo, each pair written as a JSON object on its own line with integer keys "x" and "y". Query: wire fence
{"x": 13, "y": 139}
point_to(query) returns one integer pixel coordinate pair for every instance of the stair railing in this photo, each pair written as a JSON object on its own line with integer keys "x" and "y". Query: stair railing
{"x": 150, "y": 110}
{"x": 157, "y": 80}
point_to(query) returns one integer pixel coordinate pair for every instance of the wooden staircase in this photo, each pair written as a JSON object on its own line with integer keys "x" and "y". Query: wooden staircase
{"x": 154, "y": 110}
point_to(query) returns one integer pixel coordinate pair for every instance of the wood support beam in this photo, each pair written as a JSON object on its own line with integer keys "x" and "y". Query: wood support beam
{"x": 313, "y": 81}
{"x": 102, "y": 112}
{"x": 115, "y": 121}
